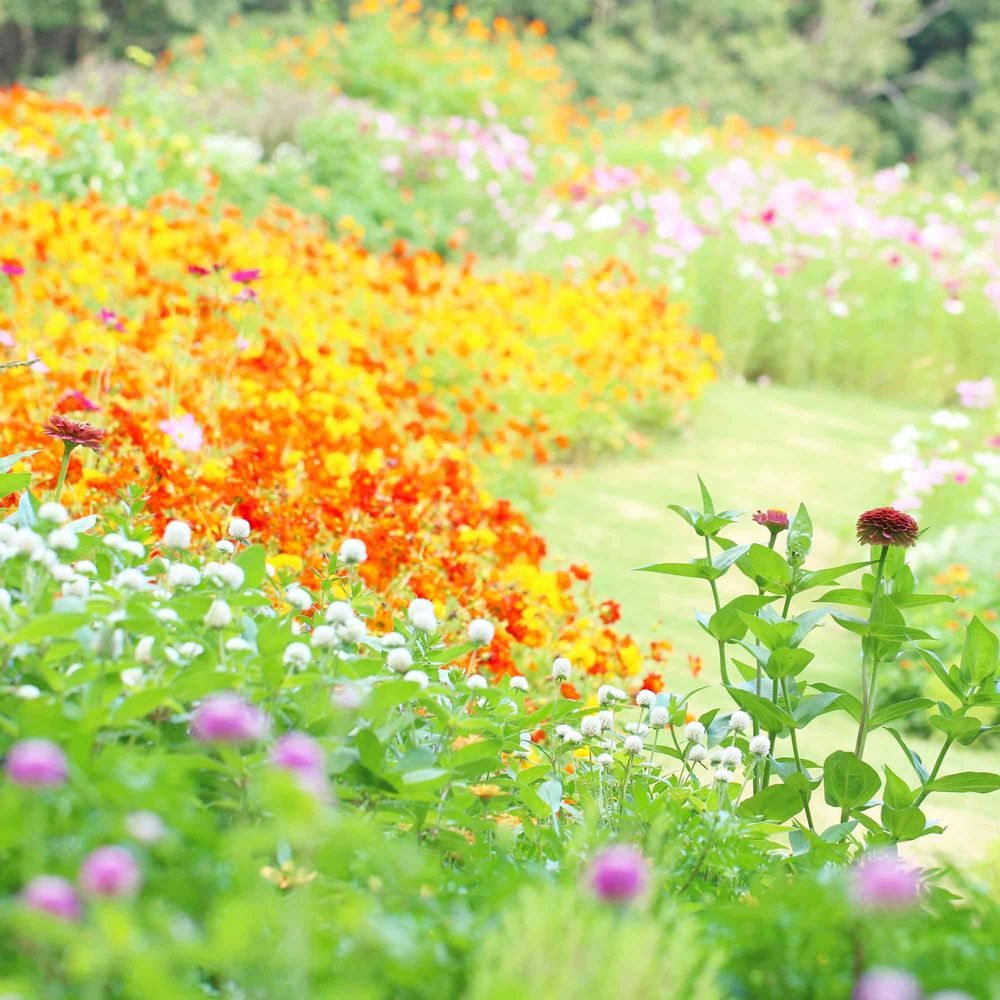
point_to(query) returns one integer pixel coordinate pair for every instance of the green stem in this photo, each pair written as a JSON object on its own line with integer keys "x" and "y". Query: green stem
{"x": 924, "y": 792}
{"x": 795, "y": 752}
{"x": 772, "y": 734}
{"x": 61, "y": 481}
{"x": 715, "y": 596}
{"x": 684, "y": 761}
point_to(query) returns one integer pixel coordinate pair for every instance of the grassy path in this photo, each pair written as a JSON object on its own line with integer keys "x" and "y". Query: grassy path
{"x": 754, "y": 447}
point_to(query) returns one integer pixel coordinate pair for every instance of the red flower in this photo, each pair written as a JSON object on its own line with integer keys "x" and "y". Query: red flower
{"x": 652, "y": 682}
{"x": 610, "y": 612}
{"x": 580, "y": 572}
{"x": 539, "y": 736}
{"x": 773, "y": 519}
{"x": 568, "y": 691}
{"x": 76, "y": 400}
{"x": 11, "y": 268}
{"x": 74, "y": 432}
{"x": 887, "y": 526}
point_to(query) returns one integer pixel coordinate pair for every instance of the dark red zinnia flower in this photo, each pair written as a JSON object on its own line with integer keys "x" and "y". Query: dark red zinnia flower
{"x": 772, "y": 519}
{"x": 887, "y": 526}
{"x": 74, "y": 432}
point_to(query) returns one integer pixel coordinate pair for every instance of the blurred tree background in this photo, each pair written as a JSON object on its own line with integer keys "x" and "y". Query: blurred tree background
{"x": 915, "y": 80}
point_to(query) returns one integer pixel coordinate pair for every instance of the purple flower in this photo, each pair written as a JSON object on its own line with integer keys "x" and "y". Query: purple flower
{"x": 881, "y": 881}
{"x": 110, "y": 871}
{"x": 227, "y": 718}
{"x": 53, "y": 895}
{"x": 298, "y": 752}
{"x": 184, "y": 432}
{"x": 37, "y": 762}
{"x": 618, "y": 874}
{"x": 886, "y": 984}
{"x": 246, "y": 276}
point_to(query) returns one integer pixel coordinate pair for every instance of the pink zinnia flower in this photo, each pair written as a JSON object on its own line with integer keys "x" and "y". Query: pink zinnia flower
{"x": 74, "y": 432}
{"x": 184, "y": 432}
{"x": 887, "y": 526}
{"x": 53, "y": 895}
{"x": 618, "y": 874}
{"x": 883, "y": 882}
{"x": 773, "y": 519}
{"x": 246, "y": 276}
{"x": 110, "y": 871}
{"x": 226, "y": 718}
{"x": 36, "y": 763}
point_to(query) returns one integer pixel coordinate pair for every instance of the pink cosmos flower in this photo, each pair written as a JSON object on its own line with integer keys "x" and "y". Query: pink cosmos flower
{"x": 110, "y": 871}
{"x": 53, "y": 895}
{"x": 184, "y": 432}
{"x": 246, "y": 276}
{"x": 36, "y": 763}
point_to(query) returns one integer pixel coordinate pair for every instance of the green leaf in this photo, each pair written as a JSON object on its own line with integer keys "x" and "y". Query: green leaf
{"x": 252, "y": 561}
{"x": 706, "y": 499}
{"x": 906, "y": 823}
{"x": 787, "y": 662}
{"x": 723, "y": 560}
{"x": 898, "y": 710}
{"x": 450, "y": 653}
{"x": 9, "y": 461}
{"x": 778, "y": 803}
{"x": 800, "y": 533}
{"x": 980, "y": 653}
{"x": 13, "y": 482}
{"x": 911, "y": 755}
{"x": 846, "y": 702}
{"x": 959, "y": 727}
{"x": 765, "y": 567}
{"x": 921, "y": 600}
{"x": 897, "y": 792}
{"x": 550, "y": 792}
{"x": 940, "y": 671}
{"x": 729, "y": 624}
{"x": 966, "y": 781}
{"x": 772, "y": 717}
{"x": 814, "y": 706}
{"x": 49, "y": 626}
{"x": 848, "y": 781}
{"x": 824, "y": 577}
{"x": 846, "y": 595}
{"x": 138, "y": 705}
{"x": 688, "y": 514}
{"x": 697, "y": 568}
{"x": 422, "y": 775}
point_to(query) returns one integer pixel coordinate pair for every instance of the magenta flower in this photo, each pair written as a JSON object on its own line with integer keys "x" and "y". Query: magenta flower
{"x": 184, "y": 432}
{"x": 110, "y": 871}
{"x": 197, "y": 270}
{"x": 112, "y": 320}
{"x": 618, "y": 874}
{"x": 227, "y": 718}
{"x": 11, "y": 268}
{"x": 773, "y": 519}
{"x": 37, "y": 763}
{"x": 53, "y": 895}
{"x": 298, "y": 752}
{"x": 881, "y": 881}
{"x": 886, "y": 984}
{"x": 246, "y": 276}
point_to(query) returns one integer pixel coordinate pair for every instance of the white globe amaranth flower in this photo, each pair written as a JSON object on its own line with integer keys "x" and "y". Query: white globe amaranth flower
{"x": 53, "y": 512}
{"x": 604, "y": 760}
{"x": 393, "y": 639}
{"x": 658, "y": 716}
{"x": 145, "y": 826}
{"x": 476, "y": 681}
{"x": 424, "y": 621}
{"x": 715, "y": 755}
{"x": 322, "y": 636}
{"x": 570, "y": 735}
{"x": 219, "y": 615}
{"x": 694, "y": 732}
{"x": 607, "y": 694}
{"x": 519, "y": 683}
{"x": 7, "y": 533}
{"x": 740, "y": 722}
{"x": 63, "y": 574}
{"x": 590, "y": 726}
{"x": 339, "y": 613}
{"x": 353, "y": 551}
{"x": 26, "y": 542}
{"x": 732, "y": 757}
{"x": 63, "y": 539}
{"x": 189, "y": 650}
{"x": 760, "y": 746}
{"x": 644, "y": 698}
{"x": 639, "y": 728}
{"x": 27, "y": 692}
{"x": 225, "y": 546}
{"x": 180, "y": 575}
{"x": 237, "y": 644}
{"x": 239, "y": 528}
{"x": 133, "y": 548}
{"x": 633, "y": 744}
{"x": 144, "y": 650}
{"x": 133, "y": 677}
{"x": 297, "y": 655}
{"x": 418, "y": 677}
{"x": 399, "y": 660}
{"x": 353, "y": 631}
{"x": 696, "y": 753}
{"x": 298, "y": 597}
{"x": 77, "y": 586}
{"x": 481, "y": 631}
{"x": 131, "y": 579}
{"x": 85, "y": 566}
{"x": 607, "y": 718}
{"x": 561, "y": 668}
{"x": 231, "y": 575}
{"x": 177, "y": 535}
{"x": 167, "y": 615}
{"x": 724, "y": 775}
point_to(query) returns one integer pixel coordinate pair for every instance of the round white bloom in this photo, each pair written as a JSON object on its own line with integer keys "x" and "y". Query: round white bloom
{"x": 231, "y": 575}
{"x": 133, "y": 548}
{"x": 607, "y": 718}
{"x": 399, "y": 660}
{"x": 633, "y": 744}
{"x": 590, "y": 726}
{"x": 519, "y": 683}
{"x": 131, "y": 579}
{"x": 353, "y": 631}
{"x": 177, "y": 535}
{"x": 760, "y": 746}
{"x": 26, "y": 542}
{"x": 604, "y": 760}
{"x": 339, "y": 613}
{"x": 226, "y": 546}
{"x": 740, "y": 722}
{"x": 418, "y": 677}
{"x": 715, "y": 756}
{"x": 218, "y": 615}
{"x": 189, "y": 650}
{"x": 28, "y": 692}
{"x": 7, "y": 533}
{"x": 393, "y": 639}
{"x": 658, "y": 716}
{"x": 237, "y": 644}
{"x": 732, "y": 757}
{"x": 298, "y": 597}
{"x": 323, "y": 635}
{"x": 645, "y": 698}
{"x": 114, "y": 540}
{"x": 696, "y": 753}
{"x": 570, "y": 735}
{"x": 63, "y": 574}
{"x": 297, "y": 655}
{"x": 167, "y": 615}
{"x": 84, "y": 566}
{"x": 239, "y": 528}
{"x": 180, "y": 575}
{"x": 481, "y": 631}
{"x": 561, "y": 668}
{"x": 145, "y": 826}
{"x": 424, "y": 621}
{"x": 694, "y": 732}
{"x": 63, "y": 538}
{"x": 144, "y": 650}
{"x": 133, "y": 677}
{"x": 476, "y": 681}
{"x": 54, "y": 513}
{"x": 723, "y": 775}
{"x": 353, "y": 551}
{"x": 639, "y": 728}
{"x": 607, "y": 693}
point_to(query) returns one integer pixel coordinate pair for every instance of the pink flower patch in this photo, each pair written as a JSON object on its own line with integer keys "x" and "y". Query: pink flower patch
{"x": 184, "y": 432}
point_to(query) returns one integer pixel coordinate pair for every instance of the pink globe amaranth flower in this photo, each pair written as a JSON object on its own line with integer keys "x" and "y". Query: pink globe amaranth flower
{"x": 37, "y": 762}
{"x": 53, "y": 895}
{"x": 298, "y": 752}
{"x": 110, "y": 871}
{"x": 227, "y": 718}
{"x": 887, "y": 526}
{"x": 773, "y": 519}
{"x": 884, "y": 882}
{"x": 618, "y": 874}
{"x": 886, "y": 984}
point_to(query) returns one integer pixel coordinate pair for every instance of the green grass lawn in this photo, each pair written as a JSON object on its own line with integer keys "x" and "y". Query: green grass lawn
{"x": 754, "y": 447}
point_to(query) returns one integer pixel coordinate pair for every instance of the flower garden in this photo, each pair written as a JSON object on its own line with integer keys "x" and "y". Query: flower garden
{"x": 299, "y": 340}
